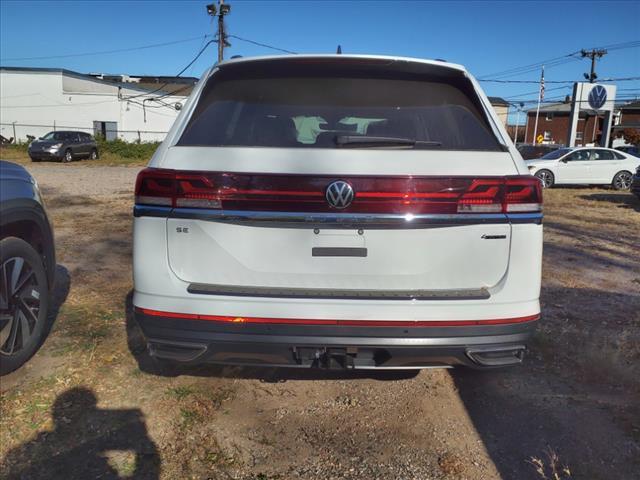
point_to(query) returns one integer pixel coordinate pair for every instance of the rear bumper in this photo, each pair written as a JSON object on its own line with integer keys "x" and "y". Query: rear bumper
{"x": 334, "y": 346}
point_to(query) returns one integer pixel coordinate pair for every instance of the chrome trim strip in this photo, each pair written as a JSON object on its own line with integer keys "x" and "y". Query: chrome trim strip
{"x": 334, "y": 220}
{"x": 151, "y": 211}
{"x": 335, "y": 294}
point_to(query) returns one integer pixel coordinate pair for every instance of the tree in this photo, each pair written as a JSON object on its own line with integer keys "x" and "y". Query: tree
{"x": 632, "y": 136}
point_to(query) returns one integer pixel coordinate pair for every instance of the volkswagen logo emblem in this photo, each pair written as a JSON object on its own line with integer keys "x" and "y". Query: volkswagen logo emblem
{"x": 339, "y": 194}
{"x": 597, "y": 97}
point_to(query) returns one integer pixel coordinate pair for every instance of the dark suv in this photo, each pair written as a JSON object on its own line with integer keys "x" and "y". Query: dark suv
{"x": 27, "y": 267}
{"x": 63, "y": 146}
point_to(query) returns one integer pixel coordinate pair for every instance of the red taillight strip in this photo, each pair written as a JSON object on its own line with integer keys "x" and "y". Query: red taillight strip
{"x": 306, "y": 193}
{"x": 350, "y": 323}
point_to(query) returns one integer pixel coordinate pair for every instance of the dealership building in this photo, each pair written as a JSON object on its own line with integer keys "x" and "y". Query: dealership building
{"x": 34, "y": 101}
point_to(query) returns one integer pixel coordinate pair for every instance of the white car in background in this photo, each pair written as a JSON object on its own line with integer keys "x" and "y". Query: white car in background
{"x": 585, "y": 166}
{"x": 338, "y": 211}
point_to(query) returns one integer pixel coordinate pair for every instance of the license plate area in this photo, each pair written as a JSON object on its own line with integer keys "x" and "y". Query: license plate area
{"x": 337, "y": 357}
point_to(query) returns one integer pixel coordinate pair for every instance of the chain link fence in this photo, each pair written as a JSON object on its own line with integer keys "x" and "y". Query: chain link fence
{"x": 19, "y": 133}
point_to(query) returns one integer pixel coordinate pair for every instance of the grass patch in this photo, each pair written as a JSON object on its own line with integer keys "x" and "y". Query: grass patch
{"x": 128, "y": 150}
{"x": 84, "y": 327}
{"x": 180, "y": 393}
{"x": 189, "y": 417}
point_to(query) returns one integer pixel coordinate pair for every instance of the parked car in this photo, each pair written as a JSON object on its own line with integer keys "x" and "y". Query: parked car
{"x": 27, "y": 266}
{"x": 63, "y": 146}
{"x": 270, "y": 231}
{"x": 588, "y": 165}
{"x": 630, "y": 149}
{"x": 529, "y": 152}
{"x": 635, "y": 183}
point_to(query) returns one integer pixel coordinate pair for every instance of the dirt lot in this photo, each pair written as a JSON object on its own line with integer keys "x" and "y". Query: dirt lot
{"x": 88, "y": 405}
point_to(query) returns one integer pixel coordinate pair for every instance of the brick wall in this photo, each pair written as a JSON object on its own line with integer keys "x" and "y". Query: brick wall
{"x": 558, "y": 128}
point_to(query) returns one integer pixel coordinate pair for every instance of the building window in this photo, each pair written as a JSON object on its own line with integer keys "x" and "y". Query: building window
{"x": 547, "y": 135}
{"x": 579, "y": 136}
{"x": 549, "y": 116}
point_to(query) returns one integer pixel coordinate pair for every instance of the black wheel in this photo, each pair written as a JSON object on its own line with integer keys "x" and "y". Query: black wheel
{"x": 546, "y": 177}
{"x": 68, "y": 156}
{"x": 94, "y": 154}
{"x": 622, "y": 181}
{"x": 24, "y": 300}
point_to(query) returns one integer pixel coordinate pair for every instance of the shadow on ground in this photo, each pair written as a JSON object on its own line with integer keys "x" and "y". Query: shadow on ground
{"x": 622, "y": 200}
{"x": 61, "y": 287}
{"x": 107, "y": 444}
{"x": 137, "y": 347}
{"x": 566, "y": 398}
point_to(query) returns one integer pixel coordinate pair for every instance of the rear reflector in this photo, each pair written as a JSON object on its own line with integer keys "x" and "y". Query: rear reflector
{"x": 306, "y": 193}
{"x": 350, "y": 323}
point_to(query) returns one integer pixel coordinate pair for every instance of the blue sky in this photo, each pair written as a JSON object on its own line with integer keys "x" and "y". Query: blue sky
{"x": 487, "y": 37}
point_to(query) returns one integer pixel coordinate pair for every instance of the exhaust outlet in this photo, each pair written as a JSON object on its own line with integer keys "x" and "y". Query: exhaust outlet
{"x": 497, "y": 356}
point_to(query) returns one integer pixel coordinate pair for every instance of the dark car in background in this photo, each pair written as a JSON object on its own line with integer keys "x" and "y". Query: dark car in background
{"x": 530, "y": 152}
{"x": 63, "y": 146}
{"x": 630, "y": 149}
{"x": 635, "y": 183}
{"x": 27, "y": 267}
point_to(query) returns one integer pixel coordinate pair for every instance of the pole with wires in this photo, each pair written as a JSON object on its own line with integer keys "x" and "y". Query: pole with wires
{"x": 221, "y": 11}
{"x": 540, "y": 98}
{"x": 593, "y": 54}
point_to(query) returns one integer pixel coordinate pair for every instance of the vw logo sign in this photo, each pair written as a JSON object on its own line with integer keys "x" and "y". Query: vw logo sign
{"x": 339, "y": 194}
{"x": 597, "y": 97}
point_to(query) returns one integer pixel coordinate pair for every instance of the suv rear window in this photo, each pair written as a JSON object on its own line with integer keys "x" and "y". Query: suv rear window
{"x": 310, "y": 107}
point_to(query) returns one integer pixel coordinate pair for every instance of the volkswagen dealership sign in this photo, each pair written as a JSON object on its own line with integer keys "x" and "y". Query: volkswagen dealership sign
{"x": 597, "y": 97}
{"x": 591, "y": 99}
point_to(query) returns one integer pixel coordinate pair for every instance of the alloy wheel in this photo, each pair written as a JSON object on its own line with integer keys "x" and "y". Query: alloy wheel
{"x": 68, "y": 156}
{"x": 19, "y": 304}
{"x": 545, "y": 178}
{"x": 622, "y": 181}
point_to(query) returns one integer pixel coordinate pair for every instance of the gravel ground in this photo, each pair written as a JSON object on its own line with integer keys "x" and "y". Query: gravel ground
{"x": 84, "y": 181}
{"x": 91, "y": 391}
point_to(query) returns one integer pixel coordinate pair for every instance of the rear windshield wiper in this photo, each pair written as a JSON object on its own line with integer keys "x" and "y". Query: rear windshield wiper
{"x": 370, "y": 141}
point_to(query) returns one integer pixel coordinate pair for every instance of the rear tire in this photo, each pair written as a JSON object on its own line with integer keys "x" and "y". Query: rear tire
{"x": 24, "y": 302}
{"x": 68, "y": 156}
{"x": 622, "y": 181}
{"x": 546, "y": 178}
{"x": 94, "y": 154}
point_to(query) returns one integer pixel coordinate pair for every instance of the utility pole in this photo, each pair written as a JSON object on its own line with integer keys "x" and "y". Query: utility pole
{"x": 593, "y": 54}
{"x": 221, "y": 37}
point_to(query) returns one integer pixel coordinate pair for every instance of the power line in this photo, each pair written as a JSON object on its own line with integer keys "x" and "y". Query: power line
{"x": 494, "y": 80}
{"x": 106, "y": 52}
{"x": 537, "y": 91}
{"x": 261, "y": 44}
{"x": 556, "y": 61}
{"x": 593, "y": 55}
{"x": 180, "y": 73}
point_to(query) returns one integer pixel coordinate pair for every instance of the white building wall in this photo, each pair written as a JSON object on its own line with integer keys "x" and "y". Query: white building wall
{"x": 502, "y": 111}
{"x": 34, "y": 103}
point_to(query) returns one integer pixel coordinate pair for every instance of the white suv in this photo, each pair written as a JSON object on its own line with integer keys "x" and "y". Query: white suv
{"x": 338, "y": 211}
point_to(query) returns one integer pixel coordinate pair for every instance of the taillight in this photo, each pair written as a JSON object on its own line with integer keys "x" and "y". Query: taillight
{"x": 522, "y": 194}
{"x": 306, "y": 193}
{"x": 155, "y": 187}
{"x": 517, "y": 194}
